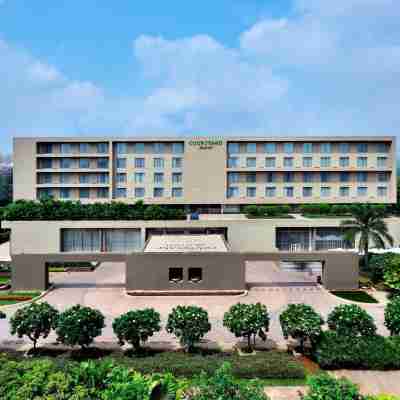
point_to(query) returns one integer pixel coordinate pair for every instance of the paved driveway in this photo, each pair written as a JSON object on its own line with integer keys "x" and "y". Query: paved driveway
{"x": 104, "y": 289}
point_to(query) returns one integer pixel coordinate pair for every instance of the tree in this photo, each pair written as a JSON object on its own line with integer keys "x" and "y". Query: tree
{"x": 247, "y": 321}
{"x": 391, "y": 271}
{"x": 2, "y": 315}
{"x": 301, "y": 322}
{"x": 367, "y": 225}
{"x": 34, "y": 321}
{"x": 392, "y": 316}
{"x": 189, "y": 324}
{"x": 351, "y": 320}
{"x": 136, "y": 326}
{"x": 79, "y": 326}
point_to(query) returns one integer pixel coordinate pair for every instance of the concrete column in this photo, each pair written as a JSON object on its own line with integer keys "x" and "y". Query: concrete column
{"x": 29, "y": 272}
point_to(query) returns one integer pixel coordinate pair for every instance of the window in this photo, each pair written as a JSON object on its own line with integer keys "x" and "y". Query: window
{"x": 102, "y": 193}
{"x": 177, "y": 192}
{"x": 270, "y": 148}
{"x": 382, "y": 147}
{"x": 66, "y": 148}
{"x": 120, "y": 192}
{"x": 307, "y": 148}
{"x": 270, "y": 177}
{"x": 325, "y": 191}
{"x": 344, "y": 177}
{"x": 251, "y": 147}
{"x": 325, "y": 161}
{"x": 84, "y": 163}
{"x": 139, "y": 162}
{"x": 344, "y": 191}
{"x": 288, "y": 148}
{"x": 251, "y": 191}
{"x": 383, "y": 177}
{"x": 65, "y": 163}
{"x": 233, "y": 162}
{"x": 307, "y": 191}
{"x": 325, "y": 148}
{"x": 138, "y": 148}
{"x": 381, "y": 162}
{"x": 83, "y": 148}
{"x": 46, "y": 178}
{"x": 139, "y": 177}
{"x": 84, "y": 193}
{"x": 102, "y": 163}
{"x": 362, "y": 191}
{"x": 362, "y": 147}
{"x": 158, "y": 192}
{"x": 233, "y": 191}
{"x": 175, "y": 275}
{"x": 344, "y": 162}
{"x": 233, "y": 177}
{"x": 288, "y": 162}
{"x": 176, "y": 178}
{"x": 139, "y": 192}
{"x": 45, "y": 192}
{"x": 308, "y": 177}
{"x": 344, "y": 148}
{"x": 121, "y": 178}
{"x": 177, "y": 148}
{"x": 270, "y": 191}
{"x": 64, "y": 193}
{"x": 158, "y": 177}
{"x": 158, "y": 163}
{"x": 382, "y": 191}
{"x": 65, "y": 178}
{"x": 102, "y": 178}
{"x": 81, "y": 240}
{"x": 121, "y": 163}
{"x": 46, "y": 148}
{"x": 362, "y": 177}
{"x": 102, "y": 148}
{"x": 325, "y": 177}
{"x": 121, "y": 148}
{"x": 288, "y": 191}
{"x": 176, "y": 162}
{"x": 288, "y": 177}
{"x": 233, "y": 148}
{"x": 270, "y": 162}
{"x": 195, "y": 275}
{"x": 84, "y": 178}
{"x": 251, "y": 177}
{"x": 251, "y": 162}
{"x": 307, "y": 162}
{"x": 158, "y": 148}
{"x": 362, "y": 162}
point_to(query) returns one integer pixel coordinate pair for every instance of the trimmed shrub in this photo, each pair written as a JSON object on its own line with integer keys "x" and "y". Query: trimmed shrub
{"x": 317, "y": 209}
{"x": 351, "y": 320}
{"x": 379, "y": 262}
{"x": 135, "y": 327}
{"x": 189, "y": 324}
{"x": 392, "y": 316}
{"x": 340, "y": 209}
{"x": 34, "y": 321}
{"x": 79, "y": 326}
{"x": 327, "y": 387}
{"x": 253, "y": 210}
{"x": 247, "y": 321}
{"x": 302, "y": 322}
{"x": 391, "y": 271}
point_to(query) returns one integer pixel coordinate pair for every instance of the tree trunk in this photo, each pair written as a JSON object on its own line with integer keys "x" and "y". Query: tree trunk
{"x": 366, "y": 258}
{"x": 249, "y": 343}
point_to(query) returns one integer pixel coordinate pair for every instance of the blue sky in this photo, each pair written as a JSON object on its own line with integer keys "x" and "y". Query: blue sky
{"x": 238, "y": 67}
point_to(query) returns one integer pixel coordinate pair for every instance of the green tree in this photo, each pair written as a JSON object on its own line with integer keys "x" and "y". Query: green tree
{"x": 79, "y": 326}
{"x": 34, "y": 321}
{"x": 247, "y": 321}
{"x": 392, "y": 316}
{"x": 136, "y": 326}
{"x": 351, "y": 320}
{"x": 2, "y": 315}
{"x": 367, "y": 224}
{"x": 300, "y": 321}
{"x": 189, "y": 324}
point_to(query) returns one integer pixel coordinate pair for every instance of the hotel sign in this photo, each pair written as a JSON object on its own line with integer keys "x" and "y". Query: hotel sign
{"x": 205, "y": 144}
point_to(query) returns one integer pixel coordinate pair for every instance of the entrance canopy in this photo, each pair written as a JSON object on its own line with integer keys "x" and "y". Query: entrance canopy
{"x": 185, "y": 244}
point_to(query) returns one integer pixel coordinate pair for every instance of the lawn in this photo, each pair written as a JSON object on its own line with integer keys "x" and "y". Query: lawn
{"x": 4, "y": 279}
{"x": 358, "y": 296}
{"x": 10, "y": 297}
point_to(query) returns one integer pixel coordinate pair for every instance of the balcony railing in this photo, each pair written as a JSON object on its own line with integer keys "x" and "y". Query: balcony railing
{"x": 316, "y": 245}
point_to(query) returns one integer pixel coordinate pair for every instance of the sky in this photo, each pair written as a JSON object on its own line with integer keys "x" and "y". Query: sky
{"x": 204, "y": 68}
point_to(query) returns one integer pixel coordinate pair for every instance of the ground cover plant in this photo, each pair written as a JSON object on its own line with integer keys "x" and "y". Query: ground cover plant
{"x": 271, "y": 211}
{"x": 358, "y": 296}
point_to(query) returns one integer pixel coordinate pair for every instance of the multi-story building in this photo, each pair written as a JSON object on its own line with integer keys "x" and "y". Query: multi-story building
{"x": 207, "y": 172}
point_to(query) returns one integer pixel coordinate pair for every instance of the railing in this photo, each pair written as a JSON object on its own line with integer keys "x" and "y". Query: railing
{"x": 331, "y": 244}
{"x": 316, "y": 245}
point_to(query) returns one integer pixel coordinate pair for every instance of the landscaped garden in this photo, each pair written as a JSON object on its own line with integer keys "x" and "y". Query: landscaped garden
{"x": 11, "y": 297}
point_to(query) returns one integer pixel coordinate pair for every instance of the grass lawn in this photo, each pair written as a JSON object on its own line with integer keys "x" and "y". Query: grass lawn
{"x": 7, "y": 302}
{"x": 4, "y": 279}
{"x": 358, "y": 296}
{"x": 324, "y": 216}
{"x": 10, "y": 297}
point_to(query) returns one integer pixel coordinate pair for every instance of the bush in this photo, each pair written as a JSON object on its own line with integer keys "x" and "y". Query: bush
{"x": 326, "y": 387}
{"x": 79, "y": 326}
{"x": 253, "y": 211}
{"x": 135, "y": 327}
{"x": 333, "y": 351}
{"x": 34, "y": 321}
{"x": 223, "y": 385}
{"x": 2, "y": 315}
{"x": 247, "y": 321}
{"x": 300, "y": 321}
{"x": 340, "y": 209}
{"x": 392, "y": 316}
{"x": 351, "y": 320}
{"x": 378, "y": 263}
{"x": 391, "y": 271}
{"x": 316, "y": 209}
{"x": 189, "y": 324}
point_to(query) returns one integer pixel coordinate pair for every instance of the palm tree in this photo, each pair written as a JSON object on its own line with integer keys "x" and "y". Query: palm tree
{"x": 368, "y": 225}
